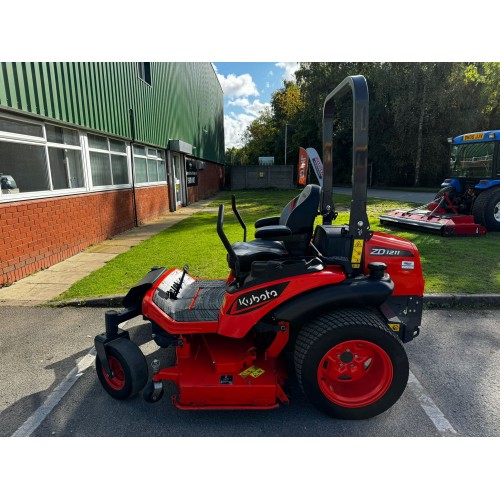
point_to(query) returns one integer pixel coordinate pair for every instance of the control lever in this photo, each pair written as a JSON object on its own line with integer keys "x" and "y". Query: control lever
{"x": 176, "y": 287}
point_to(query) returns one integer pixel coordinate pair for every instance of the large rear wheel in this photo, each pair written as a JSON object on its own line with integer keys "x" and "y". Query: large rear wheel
{"x": 486, "y": 209}
{"x": 350, "y": 364}
{"x": 129, "y": 367}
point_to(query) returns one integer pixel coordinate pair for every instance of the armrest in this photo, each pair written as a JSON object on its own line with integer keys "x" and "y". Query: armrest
{"x": 267, "y": 221}
{"x": 273, "y": 232}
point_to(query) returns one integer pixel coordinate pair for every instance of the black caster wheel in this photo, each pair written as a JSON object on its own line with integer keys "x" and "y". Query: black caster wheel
{"x": 153, "y": 392}
{"x": 129, "y": 367}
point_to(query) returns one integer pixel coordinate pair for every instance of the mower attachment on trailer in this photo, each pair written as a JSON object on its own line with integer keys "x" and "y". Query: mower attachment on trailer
{"x": 424, "y": 220}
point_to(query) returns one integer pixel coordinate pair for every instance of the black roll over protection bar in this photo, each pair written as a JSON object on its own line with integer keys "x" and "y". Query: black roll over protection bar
{"x": 358, "y": 222}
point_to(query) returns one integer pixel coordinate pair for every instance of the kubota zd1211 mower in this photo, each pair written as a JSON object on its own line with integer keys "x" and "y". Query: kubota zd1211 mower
{"x": 339, "y": 301}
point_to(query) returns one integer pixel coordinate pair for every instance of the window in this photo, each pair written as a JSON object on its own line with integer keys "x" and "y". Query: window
{"x": 108, "y": 161}
{"x": 38, "y": 157}
{"x": 144, "y": 70}
{"x": 149, "y": 165}
{"x": 65, "y": 157}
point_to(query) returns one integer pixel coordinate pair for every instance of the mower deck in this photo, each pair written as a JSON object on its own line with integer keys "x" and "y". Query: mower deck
{"x": 442, "y": 224}
{"x": 215, "y": 372}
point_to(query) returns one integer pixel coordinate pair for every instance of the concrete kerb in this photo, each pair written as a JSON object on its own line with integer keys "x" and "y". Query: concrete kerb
{"x": 431, "y": 301}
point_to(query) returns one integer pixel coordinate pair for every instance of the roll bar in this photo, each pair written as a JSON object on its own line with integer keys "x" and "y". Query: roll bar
{"x": 358, "y": 221}
{"x": 238, "y": 216}
{"x": 225, "y": 241}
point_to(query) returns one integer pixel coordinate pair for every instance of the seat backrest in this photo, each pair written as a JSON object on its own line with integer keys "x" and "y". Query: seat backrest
{"x": 300, "y": 213}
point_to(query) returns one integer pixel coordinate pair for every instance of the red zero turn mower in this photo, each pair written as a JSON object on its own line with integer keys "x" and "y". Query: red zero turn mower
{"x": 340, "y": 302}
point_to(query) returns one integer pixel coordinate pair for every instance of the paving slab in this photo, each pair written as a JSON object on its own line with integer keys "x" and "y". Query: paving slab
{"x": 112, "y": 247}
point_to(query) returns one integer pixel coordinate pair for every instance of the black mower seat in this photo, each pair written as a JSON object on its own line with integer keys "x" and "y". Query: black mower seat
{"x": 281, "y": 237}
{"x": 257, "y": 250}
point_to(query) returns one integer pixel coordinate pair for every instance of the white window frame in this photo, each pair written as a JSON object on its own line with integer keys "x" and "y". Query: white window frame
{"x": 83, "y": 147}
{"x": 30, "y": 140}
{"x": 88, "y": 150}
{"x": 147, "y": 157}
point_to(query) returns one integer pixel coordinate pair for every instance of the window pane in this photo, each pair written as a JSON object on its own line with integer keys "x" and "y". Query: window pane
{"x": 62, "y": 135}
{"x": 162, "y": 173}
{"x": 66, "y": 168}
{"x": 118, "y": 146}
{"x": 144, "y": 69}
{"x": 101, "y": 173}
{"x": 98, "y": 142}
{"x": 161, "y": 154}
{"x": 119, "y": 166}
{"x": 27, "y": 164}
{"x": 140, "y": 150}
{"x": 152, "y": 173}
{"x": 152, "y": 152}
{"x": 141, "y": 174}
{"x": 15, "y": 127}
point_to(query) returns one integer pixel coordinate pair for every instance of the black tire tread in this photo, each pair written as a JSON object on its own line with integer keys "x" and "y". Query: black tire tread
{"x": 480, "y": 209}
{"x": 324, "y": 323}
{"x": 335, "y": 325}
{"x": 136, "y": 366}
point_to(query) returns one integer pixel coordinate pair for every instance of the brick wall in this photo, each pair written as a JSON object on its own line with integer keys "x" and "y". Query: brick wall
{"x": 151, "y": 202}
{"x": 37, "y": 234}
{"x": 209, "y": 182}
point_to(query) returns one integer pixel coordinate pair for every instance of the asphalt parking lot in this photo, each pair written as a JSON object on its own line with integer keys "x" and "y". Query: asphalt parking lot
{"x": 49, "y": 386}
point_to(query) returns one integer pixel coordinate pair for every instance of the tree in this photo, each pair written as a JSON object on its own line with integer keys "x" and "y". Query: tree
{"x": 414, "y": 108}
{"x": 259, "y": 137}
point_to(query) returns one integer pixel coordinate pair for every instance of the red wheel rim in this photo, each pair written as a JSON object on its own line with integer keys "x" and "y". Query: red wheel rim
{"x": 118, "y": 381}
{"x": 355, "y": 373}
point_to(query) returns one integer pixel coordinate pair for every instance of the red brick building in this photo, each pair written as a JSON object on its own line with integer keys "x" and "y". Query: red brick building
{"x": 88, "y": 151}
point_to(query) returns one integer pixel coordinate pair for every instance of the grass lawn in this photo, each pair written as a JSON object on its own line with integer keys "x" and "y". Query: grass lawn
{"x": 451, "y": 265}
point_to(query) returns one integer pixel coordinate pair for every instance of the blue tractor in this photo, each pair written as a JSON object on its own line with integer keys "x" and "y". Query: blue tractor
{"x": 469, "y": 201}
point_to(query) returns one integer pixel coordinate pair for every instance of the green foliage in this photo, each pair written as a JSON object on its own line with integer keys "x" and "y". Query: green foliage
{"x": 414, "y": 108}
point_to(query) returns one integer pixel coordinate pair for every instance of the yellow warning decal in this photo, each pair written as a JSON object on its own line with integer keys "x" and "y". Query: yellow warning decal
{"x": 395, "y": 327}
{"x": 253, "y": 371}
{"x": 357, "y": 252}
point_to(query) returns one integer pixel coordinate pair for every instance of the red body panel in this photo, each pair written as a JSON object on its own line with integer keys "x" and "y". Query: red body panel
{"x": 237, "y": 324}
{"x": 215, "y": 372}
{"x": 400, "y": 256}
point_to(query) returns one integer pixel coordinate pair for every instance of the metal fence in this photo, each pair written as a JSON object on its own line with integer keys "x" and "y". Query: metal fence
{"x": 262, "y": 176}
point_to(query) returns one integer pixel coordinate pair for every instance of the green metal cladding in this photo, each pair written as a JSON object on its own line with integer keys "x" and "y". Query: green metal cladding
{"x": 184, "y": 100}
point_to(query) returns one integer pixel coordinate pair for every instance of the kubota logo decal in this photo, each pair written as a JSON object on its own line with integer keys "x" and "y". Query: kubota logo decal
{"x": 257, "y": 298}
{"x": 390, "y": 252}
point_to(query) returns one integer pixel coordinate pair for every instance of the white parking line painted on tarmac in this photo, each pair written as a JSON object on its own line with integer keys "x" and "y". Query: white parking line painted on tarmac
{"x": 58, "y": 393}
{"x": 433, "y": 412}
{"x": 55, "y": 396}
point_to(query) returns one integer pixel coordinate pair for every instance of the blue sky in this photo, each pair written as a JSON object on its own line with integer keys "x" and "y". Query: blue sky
{"x": 247, "y": 90}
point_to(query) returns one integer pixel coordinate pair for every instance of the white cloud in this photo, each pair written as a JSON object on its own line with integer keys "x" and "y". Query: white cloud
{"x": 236, "y": 123}
{"x": 256, "y": 107}
{"x": 234, "y": 127}
{"x": 237, "y": 86}
{"x": 239, "y": 102}
{"x": 290, "y": 69}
